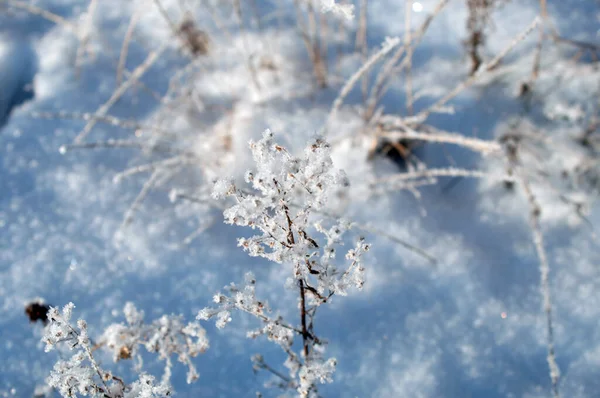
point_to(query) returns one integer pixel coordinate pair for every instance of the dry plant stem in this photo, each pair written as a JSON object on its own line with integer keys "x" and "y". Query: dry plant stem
{"x": 577, "y": 43}
{"x": 218, "y": 21}
{"x": 175, "y": 85}
{"x": 389, "y": 68}
{"x": 339, "y": 51}
{"x": 594, "y": 49}
{"x": 312, "y": 23}
{"x": 303, "y": 318}
{"x": 538, "y": 239}
{"x": 165, "y": 16}
{"x": 356, "y": 76}
{"x": 538, "y": 51}
{"x": 148, "y": 185}
{"x": 259, "y": 26}
{"x": 361, "y": 44}
{"x": 126, "y": 41}
{"x": 401, "y": 242}
{"x": 268, "y": 368}
{"x": 118, "y": 93}
{"x": 475, "y": 144}
{"x": 196, "y": 233}
{"x": 408, "y": 58}
{"x": 291, "y": 241}
{"x": 256, "y": 15}
{"x": 323, "y": 36}
{"x": 410, "y": 186}
{"x": 310, "y": 42}
{"x": 433, "y": 173}
{"x": 121, "y": 144}
{"x": 237, "y": 6}
{"x": 537, "y": 58}
{"x": 200, "y": 200}
{"x": 154, "y": 94}
{"x": 91, "y": 358}
{"x": 278, "y": 323}
{"x": 375, "y": 231}
{"x": 57, "y": 19}
{"x": 108, "y": 119}
{"x": 88, "y": 20}
{"x": 422, "y": 116}
{"x": 152, "y": 166}
{"x": 319, "y": 63}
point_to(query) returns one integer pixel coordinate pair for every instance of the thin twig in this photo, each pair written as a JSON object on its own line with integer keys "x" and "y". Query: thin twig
{"x": 538, "y": 52}
{"x": 118, "y": 93}
{"x": 237, "y": 6}
{"x": 361, "y": 44}
{"x": 57, "y": 19}
{"x": 197, "y": 232}
{"x": 81, "y": 48}
{"x": 409, "y": 52}
{"x": 126, "y": 41}
{"x": 445, "y": 172}
{"x": 152, "y": 166}
{"x": 112, "y": 143}
{"x": 369, "y": 229}
{"x": 303, "y": 318}
{"x": 308, "y": 35}
{"x": 475, "y": 144}
{"x": 387, "y": 46}
{"x": 108, "y": 119}
{"x": 276, "y": 373}
{"x": 388, "y": 69}
{"x": 538, "y": 239}
{"x": 395, "y": 239}
{"x": 423, "y": 115}
{"x": 166, "y": 17}
{"x": 148, "y": 185}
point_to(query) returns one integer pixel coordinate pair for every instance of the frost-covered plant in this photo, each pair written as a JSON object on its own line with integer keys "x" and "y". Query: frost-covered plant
{"x": 165, "y": 336}
{"x": 478, "y": 23}
{"x": 83, "y": 375}
{"x": 344, "y": 10}
{"x": 286, "y": 191}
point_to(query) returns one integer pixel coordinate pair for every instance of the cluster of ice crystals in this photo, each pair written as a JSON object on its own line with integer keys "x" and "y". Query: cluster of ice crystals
{"x": 166, "y": 336}
{"x": 73, "y": 376}
{"x": 343, "y": 10}
{"x": 146, "y": 387}
{"x": 82, "y": 374}
{"x": 315, "y": 371}
{"x": 242, "y": 299}
{"x": 59, "y": 329}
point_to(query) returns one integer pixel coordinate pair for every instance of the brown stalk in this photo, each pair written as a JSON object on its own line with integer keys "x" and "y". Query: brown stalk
{"x": 309, "y": 37}
{"x": 303, "y": 319}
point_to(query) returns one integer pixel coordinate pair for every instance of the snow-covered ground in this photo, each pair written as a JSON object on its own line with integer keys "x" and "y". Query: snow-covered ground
{"x": 470, "y": 323}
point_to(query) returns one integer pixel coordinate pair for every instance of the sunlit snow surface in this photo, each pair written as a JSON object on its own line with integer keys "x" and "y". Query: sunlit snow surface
{"x": 470, "y": 325}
